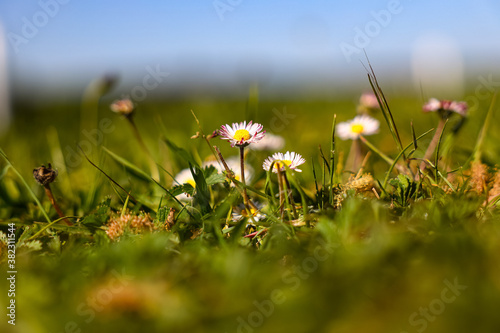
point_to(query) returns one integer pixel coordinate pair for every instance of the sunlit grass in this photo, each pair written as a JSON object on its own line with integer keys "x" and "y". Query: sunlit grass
{"x": 334, "y": 250}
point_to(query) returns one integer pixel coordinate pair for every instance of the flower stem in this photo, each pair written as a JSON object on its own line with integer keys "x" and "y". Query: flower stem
{"x": 48, "y": 191}
{"x": 281, "y": 191}
{"x": 290, "y": 195}
{"x": 245, "y": 195}
{"x": 433, "y": 144}
{"x": 355, "y": 156}
{"x": 248, "y": 204}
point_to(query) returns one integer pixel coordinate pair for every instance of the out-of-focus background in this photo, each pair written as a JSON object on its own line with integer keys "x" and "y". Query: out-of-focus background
{"x": 51, "y": 49}
{"x": 289, "y": 66}
{"x": 178, "y": 56}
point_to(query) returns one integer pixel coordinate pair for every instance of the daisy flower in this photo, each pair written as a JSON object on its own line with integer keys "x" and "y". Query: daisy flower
{"x": 269, "y": 142}
{"x": 360, "y": 125}
{"x": 239, "y": 212}
{"x": 185, "y": 177}
{"x": 368, "y": 101}
{"x": 432, "y": 105}
{"x": 123, "y": 106}
{"x": 290, "y": 159}
{"x": 445, "y": 106}
{"x": 242, "y": 134}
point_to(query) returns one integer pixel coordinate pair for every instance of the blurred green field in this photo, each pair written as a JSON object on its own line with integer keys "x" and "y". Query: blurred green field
{"x": 368, "y": 267}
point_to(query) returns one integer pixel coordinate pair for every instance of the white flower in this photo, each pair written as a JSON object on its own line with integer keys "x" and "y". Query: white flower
{"x": 185, "y": 177}
{"x": 368, "y": 100}
{"x": 234, "y": 164}
{"x": 459, "y": 107}
{"x": 269, "y": 142}
{"x": 444, "y": 106}
{"x": 241, "y": 134}
{"x": 432, "y": 105}
{"x": 290, "y": 159}
{"x": 360, "y": 125}
{"x": 240, "y": 212}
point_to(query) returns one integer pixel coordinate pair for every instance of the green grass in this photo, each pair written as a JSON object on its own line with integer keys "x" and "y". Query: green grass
{"x": 351, "y": 262}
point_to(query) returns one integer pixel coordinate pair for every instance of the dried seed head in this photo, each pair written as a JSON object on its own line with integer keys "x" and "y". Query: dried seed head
{"x": 124, "y": 107}
{"x": 363, "y": 183}
{"x": 495, "y": 189}
{"x": 45, "y": 176}
{"x": 479, "y": 177}
{"x": 134, "y": 223}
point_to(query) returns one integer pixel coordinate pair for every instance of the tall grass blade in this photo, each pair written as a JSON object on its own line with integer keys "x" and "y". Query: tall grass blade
{"x": 478, "y": 149}
{"x": 33, "y": 195}
{"x": 436, "y": 159}
{"x": 384, "y": 106}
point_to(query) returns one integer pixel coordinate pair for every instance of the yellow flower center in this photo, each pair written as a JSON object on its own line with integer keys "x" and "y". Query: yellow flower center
{"x": 281, "y": 164}
{"x": 242, "y": 134}
{"x": 191, "y": 182}
{"x": 357, "y": 128}
{"x": 253, "y": 211}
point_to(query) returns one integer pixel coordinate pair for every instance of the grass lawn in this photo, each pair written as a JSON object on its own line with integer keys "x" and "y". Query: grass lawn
{"x": 376, "y": 234}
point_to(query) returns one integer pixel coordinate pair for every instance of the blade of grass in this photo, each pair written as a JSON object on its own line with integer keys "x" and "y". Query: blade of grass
{"x": 386, "y": 180}
{"x": 107, "y": 176}
{"x": 478, "y": 149}
{"x": 33, "y": 195}
{"x": 326, "y": 166}
{"x": 129, "y": 166}
{"x": 376, "y": 150}
{"x": 303, "y": 196}
{"x": 205, "y": 138}
{"x": 436, "y": 159}
{"x": 48, "y": 225}
{"x": 180, "y": 152}
{"x": 332, "y": 151}
{"x": 414, "y": 139}
{"x": 58, "y": 159}
{"x": 384, "y": 105}
{"x": 319, "y": 196}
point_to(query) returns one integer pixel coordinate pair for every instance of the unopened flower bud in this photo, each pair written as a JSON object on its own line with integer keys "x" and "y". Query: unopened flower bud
{"x": 123, "y": 106}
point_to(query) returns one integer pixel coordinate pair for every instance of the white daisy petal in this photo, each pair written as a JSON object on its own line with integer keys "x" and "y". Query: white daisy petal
{"x": 433, "y": 105}
{"x": 292, "y": 160}
{"x": 184, "y": 177}
{"x": 242, "y": 134}
{"x": 360, "y": 125}
{"x": 444, "y": 106}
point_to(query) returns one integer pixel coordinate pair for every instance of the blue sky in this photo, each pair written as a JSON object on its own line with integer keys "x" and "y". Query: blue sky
{"x": 276, "y": 41}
